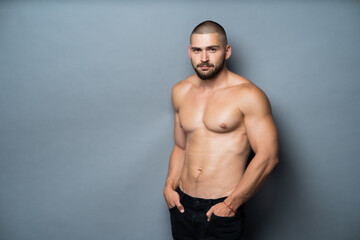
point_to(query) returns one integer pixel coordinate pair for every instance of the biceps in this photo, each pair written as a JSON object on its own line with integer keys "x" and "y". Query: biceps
{"x": 262, "y": 134}
{"x": 179, "y": 134}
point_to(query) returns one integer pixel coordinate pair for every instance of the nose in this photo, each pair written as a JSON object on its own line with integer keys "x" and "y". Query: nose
{"x": 204, "y": 56}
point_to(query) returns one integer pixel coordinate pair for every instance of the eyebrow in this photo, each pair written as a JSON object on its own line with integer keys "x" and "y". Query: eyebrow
{"x": 212, "y": 46}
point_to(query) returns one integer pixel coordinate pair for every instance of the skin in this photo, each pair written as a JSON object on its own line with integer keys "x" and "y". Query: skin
{"x": 217, "y": 123}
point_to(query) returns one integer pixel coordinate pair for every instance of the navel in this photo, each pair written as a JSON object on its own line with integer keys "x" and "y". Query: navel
{"x": 223, "y": 125}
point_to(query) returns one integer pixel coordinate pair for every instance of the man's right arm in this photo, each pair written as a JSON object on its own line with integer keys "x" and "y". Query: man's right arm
{"x": 177, "y": 156}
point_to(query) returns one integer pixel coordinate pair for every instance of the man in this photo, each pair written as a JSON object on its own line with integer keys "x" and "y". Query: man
{"x": 219, "y": 118}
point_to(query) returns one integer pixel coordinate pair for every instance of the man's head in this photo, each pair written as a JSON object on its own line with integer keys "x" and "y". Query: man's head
{"x": 211, "y": 27}
{"x": 208, "y": 49}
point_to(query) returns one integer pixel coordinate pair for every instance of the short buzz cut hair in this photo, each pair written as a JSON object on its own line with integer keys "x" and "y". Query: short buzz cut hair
{"x": 211, "y": 27}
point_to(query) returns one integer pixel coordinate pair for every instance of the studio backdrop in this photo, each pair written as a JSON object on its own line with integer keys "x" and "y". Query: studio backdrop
{"x": 86, "y": 121}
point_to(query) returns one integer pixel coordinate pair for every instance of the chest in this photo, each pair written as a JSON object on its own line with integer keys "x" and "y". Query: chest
{"x": 217, "y": 113}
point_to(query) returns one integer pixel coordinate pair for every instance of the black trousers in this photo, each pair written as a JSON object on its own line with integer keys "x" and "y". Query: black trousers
{"x": 193, "y": 224}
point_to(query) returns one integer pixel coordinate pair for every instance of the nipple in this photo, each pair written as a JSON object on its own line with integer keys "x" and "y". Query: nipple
{"x": 223, "y": 125}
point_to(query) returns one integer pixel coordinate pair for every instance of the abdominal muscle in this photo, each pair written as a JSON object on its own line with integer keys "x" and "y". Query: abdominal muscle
{"x": 214, "y": 163}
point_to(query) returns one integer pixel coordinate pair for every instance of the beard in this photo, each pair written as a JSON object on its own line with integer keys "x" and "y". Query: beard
{"x": 211, "y": 73}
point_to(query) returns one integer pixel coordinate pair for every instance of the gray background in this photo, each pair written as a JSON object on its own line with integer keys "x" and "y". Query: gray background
{"x": 86, "y": 119}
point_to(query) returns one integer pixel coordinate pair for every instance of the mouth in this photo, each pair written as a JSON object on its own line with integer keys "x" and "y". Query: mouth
{"x": 204, "y": 67}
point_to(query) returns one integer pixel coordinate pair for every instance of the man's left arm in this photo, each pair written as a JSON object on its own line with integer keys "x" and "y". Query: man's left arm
{"x": 262, "y": 135}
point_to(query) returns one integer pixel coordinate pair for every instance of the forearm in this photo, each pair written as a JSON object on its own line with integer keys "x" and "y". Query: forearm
{"x": 176, "y": 162}
{"x": 254, "y": 176}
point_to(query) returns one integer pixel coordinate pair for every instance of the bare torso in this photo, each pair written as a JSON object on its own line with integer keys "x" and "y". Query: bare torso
{"x": 217, "y": 147}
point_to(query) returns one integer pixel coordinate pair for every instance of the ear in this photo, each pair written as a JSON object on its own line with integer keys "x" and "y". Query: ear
{"x": 227, "y": 52}
{"x": 189, "y": 51}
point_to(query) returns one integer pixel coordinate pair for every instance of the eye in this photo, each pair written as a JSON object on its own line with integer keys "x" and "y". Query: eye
{"x": 196, "y": 50}
{"x": 212, "y": 50}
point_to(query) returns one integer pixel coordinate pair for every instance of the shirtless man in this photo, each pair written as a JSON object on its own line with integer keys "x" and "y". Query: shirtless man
{"x": 219, "y": 117}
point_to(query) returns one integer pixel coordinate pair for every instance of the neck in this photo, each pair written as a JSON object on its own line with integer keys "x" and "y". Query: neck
{"x": 219, "y": 81}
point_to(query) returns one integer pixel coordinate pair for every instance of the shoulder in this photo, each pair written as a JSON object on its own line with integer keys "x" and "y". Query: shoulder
{"x": 179, "y": 90}
{"x": 244, "y": 88}
{"x": 250, "y": 98}
{"x": 182, "y": 86}
{"x": 250, "y": 92}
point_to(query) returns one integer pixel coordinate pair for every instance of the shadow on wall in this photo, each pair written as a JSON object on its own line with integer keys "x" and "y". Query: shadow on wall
{"x": 265, "y": 206}
{"x": 261, "y": 209}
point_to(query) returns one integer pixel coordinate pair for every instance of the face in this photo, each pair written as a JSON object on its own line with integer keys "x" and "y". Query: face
{"x": 208, "y": 55}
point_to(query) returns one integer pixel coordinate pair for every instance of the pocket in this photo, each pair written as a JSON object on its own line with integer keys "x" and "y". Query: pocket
{"x": 225, "y": 228}
{"x": 172, "y": 209}
{"x": 225, "y": 219}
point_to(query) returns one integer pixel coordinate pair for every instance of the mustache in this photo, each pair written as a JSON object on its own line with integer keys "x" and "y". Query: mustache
{"x": 205, "y": 65}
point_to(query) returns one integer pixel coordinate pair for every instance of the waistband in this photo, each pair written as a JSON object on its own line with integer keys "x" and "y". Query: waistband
{"x": 186, "y": 199}
{"x": 201, "y": 203}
